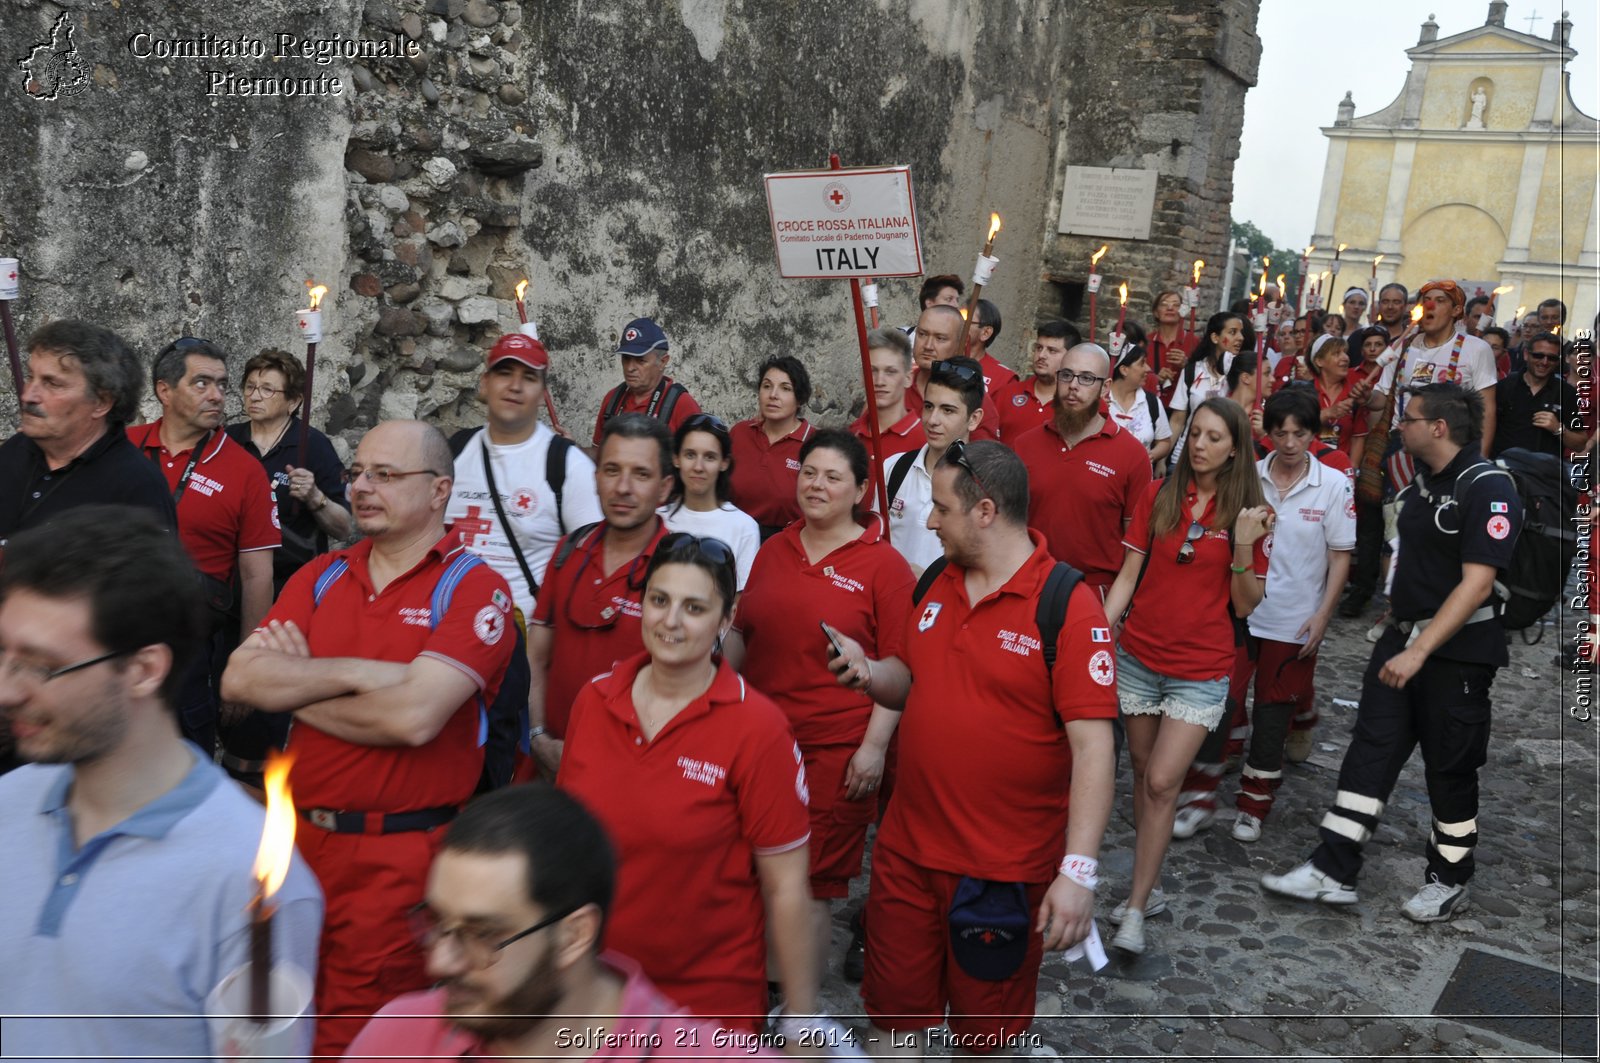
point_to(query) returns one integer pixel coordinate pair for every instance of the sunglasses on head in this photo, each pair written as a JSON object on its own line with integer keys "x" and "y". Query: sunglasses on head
{"x": 957, "y": 455}
{"x": 960, "y": 370}
{"x": 713, "y": 550}
{"x": 703, "y": 421}
{"x": 1186, "y": 551}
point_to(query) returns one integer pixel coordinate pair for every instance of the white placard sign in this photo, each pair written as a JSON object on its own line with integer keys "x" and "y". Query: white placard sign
{"x": 1100, "y": 201}
{"x": 838, "y": 224}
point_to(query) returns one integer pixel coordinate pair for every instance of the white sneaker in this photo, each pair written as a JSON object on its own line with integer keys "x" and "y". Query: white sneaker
{"x": 1191, "y": 820}
{"x": 1435, "y": 902}
{"x": 1130, "y": 935}
{"x": 1308, "y": 884}
{"x": 1154, "y": 904}
{"x": 1247, "y": 828}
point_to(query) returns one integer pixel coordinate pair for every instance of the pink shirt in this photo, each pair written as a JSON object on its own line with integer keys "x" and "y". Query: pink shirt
{"x": 409, "y": 1029}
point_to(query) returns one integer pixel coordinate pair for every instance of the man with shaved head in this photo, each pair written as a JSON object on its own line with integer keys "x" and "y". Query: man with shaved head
{"x": 1086, "y": 472}
{"x": 387, "y": 654}
{"x": 938, "y": 339}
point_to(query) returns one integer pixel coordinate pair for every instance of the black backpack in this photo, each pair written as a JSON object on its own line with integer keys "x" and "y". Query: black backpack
{"x": 1531, "y": 585}
{"x": 1048, "y": 616}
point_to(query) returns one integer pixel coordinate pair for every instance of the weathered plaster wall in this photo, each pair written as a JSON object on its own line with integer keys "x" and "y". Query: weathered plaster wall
{"x": 610, "y": 150}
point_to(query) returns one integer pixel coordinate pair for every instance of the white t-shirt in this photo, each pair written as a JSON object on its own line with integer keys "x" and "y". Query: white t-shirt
{"x": 728, "y": 523}
{"x": 1136, "y": 419}
{"x": 1317, "y": 515}
{"x": 1207, "y": 385}
{"x": 908, "y": 512}
{"x": 529, "y": 503}
{"x": 1431, "y": 365}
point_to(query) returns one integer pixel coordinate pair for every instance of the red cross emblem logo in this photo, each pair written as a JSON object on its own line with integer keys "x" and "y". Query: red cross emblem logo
{"x": 1101, "y": 669}
{"x": 522, "y": 501}
{"x": 12, "y": 275}
{"x": 302, "y": 322}
{"x": 471, "y": 526}
{"x": 631, "y": 334}
{"x": 836, "y": 197}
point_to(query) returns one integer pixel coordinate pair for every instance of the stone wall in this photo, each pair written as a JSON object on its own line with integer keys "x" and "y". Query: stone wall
{"x": 610, "y": 151}
{"x": 1154, "y": 84}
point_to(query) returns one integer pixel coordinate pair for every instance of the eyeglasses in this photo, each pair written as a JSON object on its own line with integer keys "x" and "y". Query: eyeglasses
{"x": 957, "y": 455}
{"x": 378, "y": 476}
{"x": 960, "y": 370}
{"x": 713, "y": 550}
{"x": 264, "y": 390}
{"x": 480, "y": 946}
{"x": 1541, "y": 356}
{"x": 1088, "y": 380}
{"x": 39, "y": 674}
{"x": 1186, "y": 551}
{"x": 1414, "y": 420}
{"x": 701, "y": 421}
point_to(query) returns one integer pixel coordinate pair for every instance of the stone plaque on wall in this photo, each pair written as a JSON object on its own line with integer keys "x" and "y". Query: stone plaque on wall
{"x": 1103, "y": 201}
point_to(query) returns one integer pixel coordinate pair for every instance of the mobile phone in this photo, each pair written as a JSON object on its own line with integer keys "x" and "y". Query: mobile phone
{"x": 837, "y": 650}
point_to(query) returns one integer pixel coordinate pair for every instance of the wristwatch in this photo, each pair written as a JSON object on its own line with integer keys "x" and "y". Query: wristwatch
{"x": 535, "y": 732}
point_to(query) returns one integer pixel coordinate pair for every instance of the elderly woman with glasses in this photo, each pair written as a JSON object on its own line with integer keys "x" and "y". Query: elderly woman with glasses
{"x": 312, "y": 507}
{"x": 1195, "y": 564}
{"x": 699, "y": 503}
{"x": 697, "y": 779}
{"x": 829, "y": 573}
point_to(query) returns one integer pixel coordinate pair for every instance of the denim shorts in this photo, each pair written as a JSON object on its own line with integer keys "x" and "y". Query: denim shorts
{"x": 1143, "y": 692}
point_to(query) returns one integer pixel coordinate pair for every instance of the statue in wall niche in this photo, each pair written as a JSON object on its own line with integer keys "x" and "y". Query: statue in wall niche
{"x": 1480, "y": 100}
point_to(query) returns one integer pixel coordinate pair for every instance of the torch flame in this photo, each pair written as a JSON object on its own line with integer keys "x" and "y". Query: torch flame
{"x": 1503, "y": 289}
{"x": 277, "y": 836}
{"x": 1376, "y": 261}
{"x": 1326, "y": 274}
{"x": 1520, "y": 311}
{"x": 1310, "y": 248}
{"x": 1094, "y": 259}
{"x": 1416, "y": 313}
{"x": 522, "y": 288}
{"x": 1122, "y": 293}
{"x": 994, "y": 224}
{"x": 317, "y": 292}
{"x": 1265, "y": 262}
{"x": 1282, "y": 287}
{"x": 1342, "y": 247}
{"x": 963, "y": 312}
{"x": 1199, "y": 264}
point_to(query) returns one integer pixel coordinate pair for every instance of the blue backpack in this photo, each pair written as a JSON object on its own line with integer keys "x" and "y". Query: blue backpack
{"x": 503, "y": 725}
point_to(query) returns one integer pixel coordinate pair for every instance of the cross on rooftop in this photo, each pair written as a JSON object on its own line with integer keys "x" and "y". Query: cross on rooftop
{"x": 1531, "y": 20}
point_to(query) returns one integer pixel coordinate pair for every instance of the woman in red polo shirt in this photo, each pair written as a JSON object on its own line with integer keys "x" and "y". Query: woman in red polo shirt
{"x": 1344, "y": 411}
{"x": 1196, "y": 559}
{"x": 697, "y": 780}
{"x": 832, "y": 567}
{"x": 766, "y": 448}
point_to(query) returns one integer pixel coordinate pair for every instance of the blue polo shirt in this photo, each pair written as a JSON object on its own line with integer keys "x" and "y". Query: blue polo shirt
{"x": 126, "y": 935}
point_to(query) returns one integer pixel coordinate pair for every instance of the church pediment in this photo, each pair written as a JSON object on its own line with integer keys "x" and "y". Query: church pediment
{"x": 1491, "y": 40}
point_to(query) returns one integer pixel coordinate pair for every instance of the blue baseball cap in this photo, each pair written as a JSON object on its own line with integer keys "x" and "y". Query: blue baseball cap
{"x": 989, "y": 928}
{"x": 641, "y": 336}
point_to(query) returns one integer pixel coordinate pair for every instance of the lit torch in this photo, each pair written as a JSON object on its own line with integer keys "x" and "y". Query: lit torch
{"x": 1494, "y": 305}
{"x": 10, "y": 290}
{"x": 1122, "y": 317}
{"x": 1194, "y": 292}
{"x": 1372, "y": 293}
{"x": 980, "y": 277}
{"x": 271, "y": 868}
{"x": 309, "y": 322}
{"x": 531, "y": 330}
{"x": 1300, "y": 288}
{"x": 1334, "y": 283}
{"x": 1094, "y": 286}
{"x": 1260, "y": 323}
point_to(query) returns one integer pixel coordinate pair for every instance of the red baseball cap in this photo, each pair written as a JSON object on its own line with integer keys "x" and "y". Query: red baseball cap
{"x": 525, "y": 349}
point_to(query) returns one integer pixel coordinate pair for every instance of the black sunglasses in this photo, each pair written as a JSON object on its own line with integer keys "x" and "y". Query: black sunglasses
{"x": 1186, "y": 551}
{"x": 956, "y": 454}
{"x": 705, "y": 420}
{"x": 960, "y": 370}
{"x": 713, "y": 550}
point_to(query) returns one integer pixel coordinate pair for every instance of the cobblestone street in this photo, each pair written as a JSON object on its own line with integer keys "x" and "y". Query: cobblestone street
{"x": 1233, "y": 972}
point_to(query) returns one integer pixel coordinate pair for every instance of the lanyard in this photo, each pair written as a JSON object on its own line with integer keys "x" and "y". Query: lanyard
{"x": 650, "y": 410}
{"x": 188, "y": 470}
{"x": 1452, "y": 375}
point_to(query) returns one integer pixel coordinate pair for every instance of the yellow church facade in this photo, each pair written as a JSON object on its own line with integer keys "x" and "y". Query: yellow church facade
{"x": 1482, "y": 170}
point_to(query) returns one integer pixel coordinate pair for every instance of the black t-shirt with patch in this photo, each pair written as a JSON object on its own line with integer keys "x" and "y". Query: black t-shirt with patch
{"x": 1515, "y": 406}
{"x": 1469, "y": 519}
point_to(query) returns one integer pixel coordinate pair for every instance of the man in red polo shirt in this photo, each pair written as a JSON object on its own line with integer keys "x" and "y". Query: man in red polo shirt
{"x": 645, "y": 386}
{"x": 1030, "y": 401}
{"x": 387, "y": 654}
{"x": 1087, "y": 473}
{"x": 889, "y": 352}
{"x": 938, "y": 338}
{"x": 983, "y": 328}
{"x": 227, "y": 516}
{"x": 1005, "y": 766}
{"x": 587, "y": 616}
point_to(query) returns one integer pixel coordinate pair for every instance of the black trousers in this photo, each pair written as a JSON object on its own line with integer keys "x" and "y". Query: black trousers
{"x": 1444, "y": 709}
{"x": 1369, "y": 549}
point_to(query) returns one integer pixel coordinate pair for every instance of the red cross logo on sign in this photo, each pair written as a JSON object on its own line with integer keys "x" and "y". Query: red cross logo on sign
{"x": 1101, "y": 669}
{"x": 836, "y": 197}
{"x": 471, "y": 526}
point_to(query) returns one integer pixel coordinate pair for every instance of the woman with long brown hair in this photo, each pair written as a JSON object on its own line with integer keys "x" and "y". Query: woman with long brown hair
{"x": 1196, "y": 561}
